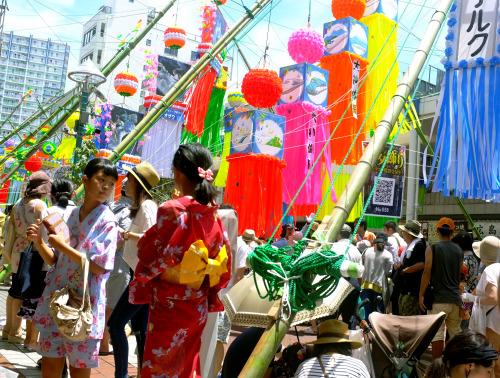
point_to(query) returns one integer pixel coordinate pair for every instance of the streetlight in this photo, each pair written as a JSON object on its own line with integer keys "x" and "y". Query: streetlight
{"x": 87, "y": 74}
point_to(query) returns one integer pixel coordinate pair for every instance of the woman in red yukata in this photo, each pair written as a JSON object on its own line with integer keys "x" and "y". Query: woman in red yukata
{"x": 184, "y": 260}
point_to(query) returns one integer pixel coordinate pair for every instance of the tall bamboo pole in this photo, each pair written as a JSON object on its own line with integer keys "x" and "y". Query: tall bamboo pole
{"x": 177, "y": 90}
{"x": 71, "y": 105}
{"x": 264, "y": 352}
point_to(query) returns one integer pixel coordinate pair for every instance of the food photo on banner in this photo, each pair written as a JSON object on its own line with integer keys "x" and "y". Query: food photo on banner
{"x": 387, "y": 200}
{"x": 123, "y": 121}
{"x": 169, "y": 73}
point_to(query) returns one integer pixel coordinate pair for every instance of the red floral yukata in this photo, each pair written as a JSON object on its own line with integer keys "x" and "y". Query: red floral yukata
{"x": 177, "y": 313}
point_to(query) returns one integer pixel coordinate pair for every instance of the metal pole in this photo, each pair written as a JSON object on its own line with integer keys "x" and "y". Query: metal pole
{"x": 412, "y": 173}
{"x": 189, "y": 77}
{"x": 84, "y": 117}
{"x": 364, "y": 167}
{"x": 275, "y": 332}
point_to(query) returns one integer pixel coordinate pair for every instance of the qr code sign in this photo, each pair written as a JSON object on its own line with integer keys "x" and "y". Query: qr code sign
{"x": 384, "y": 192}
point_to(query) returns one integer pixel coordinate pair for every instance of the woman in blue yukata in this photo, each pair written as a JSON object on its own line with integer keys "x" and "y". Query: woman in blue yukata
{"x": 96, "y": 229}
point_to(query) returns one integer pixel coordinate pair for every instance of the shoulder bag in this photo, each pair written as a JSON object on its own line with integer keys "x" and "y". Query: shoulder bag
{"x": 31, "y": 278}
{"x": 72, "y": 313}
{"x": 429, "y": 292}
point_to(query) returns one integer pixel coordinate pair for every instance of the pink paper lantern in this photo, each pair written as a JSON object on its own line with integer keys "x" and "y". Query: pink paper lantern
{"x": 306, "y": 45}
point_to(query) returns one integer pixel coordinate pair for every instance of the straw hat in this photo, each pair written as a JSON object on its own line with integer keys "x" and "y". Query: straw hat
{"x": 489, "y": 249}
{"x": 334, "y": 331}
{"x": 413, "y": 228}
{"x": 146, "y": 175}
{"x": 249, "y": 236}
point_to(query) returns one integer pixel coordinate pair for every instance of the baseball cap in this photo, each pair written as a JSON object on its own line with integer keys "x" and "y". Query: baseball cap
{"x": 446, "y": 224}
{"x": 288, "y": 225}
{"x": 346, "y": 228}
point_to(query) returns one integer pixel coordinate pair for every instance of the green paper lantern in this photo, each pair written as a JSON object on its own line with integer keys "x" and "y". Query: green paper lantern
{"x": 21, "y": 152}
{"x": 49, "y": 148}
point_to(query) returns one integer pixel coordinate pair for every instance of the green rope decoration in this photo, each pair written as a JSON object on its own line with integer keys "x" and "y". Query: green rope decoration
{"x": 277, "y": 266}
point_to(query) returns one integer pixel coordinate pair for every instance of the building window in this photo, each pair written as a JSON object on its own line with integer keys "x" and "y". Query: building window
{"x": 143, "y": 93}
{"x": 148, "y": 42}
{"x": 171, "y": 52}
{"x": 89, "y": 56}
{"x": 99, "y": 56}
{"x": 87, "y": 37}
{"x": 103, "y": 29}
{"x": 194, "y": 55}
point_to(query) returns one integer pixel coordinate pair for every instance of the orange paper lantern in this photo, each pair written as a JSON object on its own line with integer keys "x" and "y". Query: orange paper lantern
{"x": 174, "y": 38}
{"x": 348, "y": 8}
{"x": 262, "y": 88}
{"x": 126, "y": 84}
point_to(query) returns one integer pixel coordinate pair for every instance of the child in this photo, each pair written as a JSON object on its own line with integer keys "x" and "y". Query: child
{"x": 187, "y": 228}
{"x": 96, "y": 230}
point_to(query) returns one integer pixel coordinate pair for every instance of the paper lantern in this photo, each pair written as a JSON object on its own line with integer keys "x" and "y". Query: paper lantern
{"x": 203, "y": 48}
{"x": 29, "y": 142}
{"x": 126, "y": 84}
{"x": 33, "y": 164}
{"x": 151, "y": 100}
{"x": 262, "y": 88}
{"x": 49, "y": 148}
{"x": 174, "y": 38}
{"x": 306, "y": 45}
{"x": 236, "y": 100}
{"x": 45, "y": 129}
{"x": 10, "y": 143}
{"x": 20, "y": 153}
{"x": 348, "y": 8}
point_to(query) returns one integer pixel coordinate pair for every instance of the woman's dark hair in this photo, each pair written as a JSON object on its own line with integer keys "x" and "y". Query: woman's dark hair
{"x": 363, "y": 223}
{"x": 62, "y": 189}
{"x": 464, "y": 240}
{"x": 340, "y": 348}
{"x": 462, "y": 349}
{"x": 8, "y": 210}
{"x": 141, "y": 195}
{"x": 188, "y": 158}
{"x": 97, "y": 165}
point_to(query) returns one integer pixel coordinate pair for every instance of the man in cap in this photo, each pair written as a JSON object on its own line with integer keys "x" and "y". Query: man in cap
{"x": 410, "y": 268}
{"x": 443, "y": 264}
{"x": 286, "y": 232}
{"x": 378, "y": 267}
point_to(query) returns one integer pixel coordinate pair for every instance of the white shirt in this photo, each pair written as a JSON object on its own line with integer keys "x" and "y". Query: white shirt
{"x": 409, "y": 249}
{"x": 338, "y": 366}
{"x": 241, "y": 262}
{"x": 352, "y": 253}
{"x": 395, "y": 242}
{"x": 490, "y": 275}
{"x": 144, "y": 220}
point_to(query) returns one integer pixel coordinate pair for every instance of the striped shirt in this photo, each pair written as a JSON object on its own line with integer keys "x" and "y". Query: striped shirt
{"x": 338, "y": 366}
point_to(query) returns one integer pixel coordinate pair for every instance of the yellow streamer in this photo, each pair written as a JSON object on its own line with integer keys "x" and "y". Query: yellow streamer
{"x": 221, "y": 178}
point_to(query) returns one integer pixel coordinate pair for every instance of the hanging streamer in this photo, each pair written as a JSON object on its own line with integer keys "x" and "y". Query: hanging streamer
{"x": 221, "y": 178}
{"x": 306, "y": 132}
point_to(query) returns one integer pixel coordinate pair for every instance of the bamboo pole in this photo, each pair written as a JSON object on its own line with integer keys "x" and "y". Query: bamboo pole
{"x": 71, "y": 105}
{"x": 189, "y": 77}
{"x": 458, "y": 200}
{"x": 264, "y": 352}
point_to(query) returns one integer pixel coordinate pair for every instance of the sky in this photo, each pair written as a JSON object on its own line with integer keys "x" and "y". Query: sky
{"x": 62, "y": 20}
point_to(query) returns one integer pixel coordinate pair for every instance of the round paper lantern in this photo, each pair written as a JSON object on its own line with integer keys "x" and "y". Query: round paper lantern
{"x": 306, "y": 45}
{"x": 262, "y": 88}
{"x": 203, "y": 48}
{"x": 29, "y": 142}
{"x": 126, "y": 84}
{"x": 348, "y": 8}
{"x": 10, "y": 143}
{"x": 49, "y": 148}
{"x": 236, "y": 99}
{"x": 151, "y": 100}
{"x": 33, "y": 164}
{"x": 44, "y": 129}
{"x": 174, "y": 37}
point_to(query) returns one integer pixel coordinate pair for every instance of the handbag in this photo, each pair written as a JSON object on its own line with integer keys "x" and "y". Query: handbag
{"x": 73, "y": 314}
{"x": 477, "y": 320}
{"x": 31, "y": 279}
{"x": 429, "y": 291}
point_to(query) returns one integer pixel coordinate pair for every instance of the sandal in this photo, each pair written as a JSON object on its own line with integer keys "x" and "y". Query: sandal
{"x": 5, "y": 333}
{"x": 16, "y": 338}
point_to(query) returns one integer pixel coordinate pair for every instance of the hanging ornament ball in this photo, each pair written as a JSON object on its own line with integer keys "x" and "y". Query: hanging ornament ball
{"x": 9, "y": 143}
{"x": 262, "y": 88}
{"x": 126, "y": 84}
{"x": 236, "y": 99}
{"x": 348, "y": 8}
{"x": 203, "y": 48}
{"x": 306, "y": 45}
{"x": 220, "y": 2}
{"x": 20, "y": 153}
{"x": 29, "y": 142}
{"x": 33, "y": 164}
{"x": 44, "y": 129}
{"x": 174, "y": 38}
{"x": 151, "y": 100}
{"x": 49, "y": 148}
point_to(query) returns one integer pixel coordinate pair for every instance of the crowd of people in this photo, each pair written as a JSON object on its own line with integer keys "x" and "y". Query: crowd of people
{"x": 157, "y": 271}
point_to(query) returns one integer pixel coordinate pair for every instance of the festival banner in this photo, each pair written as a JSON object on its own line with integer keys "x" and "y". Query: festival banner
{"x": 387, "y": 200}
